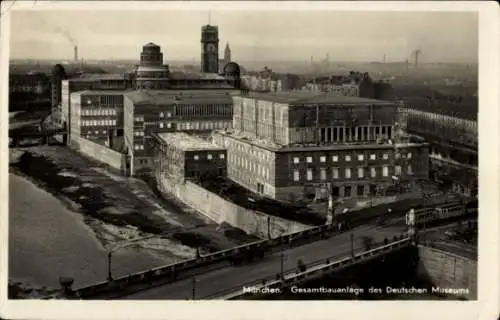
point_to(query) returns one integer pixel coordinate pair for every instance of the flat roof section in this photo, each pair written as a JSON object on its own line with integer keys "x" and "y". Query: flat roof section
{"x": 177, "y": 75}
{"x": 299, "y": 97}
{"x": 275, "y": 147}
{"x": 102, "y": 92}
{"x": 162, "y": 97}
{"x": 186, "y": 142}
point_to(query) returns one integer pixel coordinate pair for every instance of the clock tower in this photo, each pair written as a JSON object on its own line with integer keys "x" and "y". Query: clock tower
{"x": 210, "y": 49}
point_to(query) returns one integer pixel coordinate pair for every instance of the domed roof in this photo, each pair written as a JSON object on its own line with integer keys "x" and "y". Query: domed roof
{"x": 151, "y": 45}
{"x": 232, "y": 67}
{"x": 58, "y": 69}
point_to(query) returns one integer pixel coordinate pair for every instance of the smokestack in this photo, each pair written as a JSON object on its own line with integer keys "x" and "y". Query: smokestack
{"x": 76, "y": 53}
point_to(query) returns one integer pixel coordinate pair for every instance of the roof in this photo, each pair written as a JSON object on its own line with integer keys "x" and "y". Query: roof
{"x": 151, "y": 45}
{"x": 301, "y": 97}
{"x": 101, "y": 92}
{"x": 160, "y": 97}
{"x": 195, "y": 76}
{"x": 101, "y": 76}
{"x": 276, "y": 147}
{"x": 186, "y": 142}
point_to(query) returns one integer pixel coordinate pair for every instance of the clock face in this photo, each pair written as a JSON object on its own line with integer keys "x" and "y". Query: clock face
{"x": 210, "y": 47}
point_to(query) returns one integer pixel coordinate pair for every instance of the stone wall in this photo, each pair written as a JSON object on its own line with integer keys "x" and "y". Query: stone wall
{"x": 220, "y": 210}
{"x": 448, "y": 270}
{"x": 101, "y": 153}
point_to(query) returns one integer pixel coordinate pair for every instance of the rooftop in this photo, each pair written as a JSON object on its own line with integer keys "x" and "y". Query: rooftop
{"x": 101, "y": 76}
{"x": 276, "y": 147}
{"x": 102, "y": 92}
{"x": 160, "y": 97}
{"x": 186, "y": 142}
{"x": 302, "y": 97}
{"x": 195, "y": 76}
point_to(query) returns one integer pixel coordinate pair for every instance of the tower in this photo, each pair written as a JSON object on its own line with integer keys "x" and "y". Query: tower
{"x": 58, "y": 75}
{"x": 209, "y": 49}
{"x": 227, "y": 54}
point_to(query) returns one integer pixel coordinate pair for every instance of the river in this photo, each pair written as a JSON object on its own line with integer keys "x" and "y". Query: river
{"x": 47, "y": 241}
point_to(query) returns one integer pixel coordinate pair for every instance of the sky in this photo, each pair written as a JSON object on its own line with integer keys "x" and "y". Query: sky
{"x": 252, "y": 35}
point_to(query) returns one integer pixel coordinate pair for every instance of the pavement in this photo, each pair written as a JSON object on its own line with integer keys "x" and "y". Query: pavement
{"x": 220, "y": 281}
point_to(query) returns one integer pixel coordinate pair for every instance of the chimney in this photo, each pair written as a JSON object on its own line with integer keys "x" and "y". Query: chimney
{"x": 76, "y": 53}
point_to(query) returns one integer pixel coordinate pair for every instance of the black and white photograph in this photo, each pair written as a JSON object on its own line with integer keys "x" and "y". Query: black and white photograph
{"x": 242, "y": 153}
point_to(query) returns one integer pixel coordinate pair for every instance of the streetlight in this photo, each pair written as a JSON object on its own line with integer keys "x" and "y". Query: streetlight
{"x": 193, "y": 281}
{"x": 282, "y": 263}
{"x": 352, "y": 245}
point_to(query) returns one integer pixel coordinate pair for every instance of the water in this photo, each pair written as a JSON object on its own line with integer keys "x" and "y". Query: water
{"x": 47, "y": 241}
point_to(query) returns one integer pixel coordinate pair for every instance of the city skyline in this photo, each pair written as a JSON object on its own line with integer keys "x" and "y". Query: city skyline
{"x": 395, "y": 35}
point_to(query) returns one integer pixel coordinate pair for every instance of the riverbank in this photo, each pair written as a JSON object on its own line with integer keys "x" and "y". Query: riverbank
{"x": 106, "y": 199}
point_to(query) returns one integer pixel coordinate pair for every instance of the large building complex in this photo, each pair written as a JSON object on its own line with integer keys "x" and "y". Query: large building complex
{"x": 299, "y": 145}
{"x": 148, "y": 112}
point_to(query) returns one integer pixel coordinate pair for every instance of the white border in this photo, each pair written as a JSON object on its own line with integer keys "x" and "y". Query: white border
{"x": 486, "y": 308}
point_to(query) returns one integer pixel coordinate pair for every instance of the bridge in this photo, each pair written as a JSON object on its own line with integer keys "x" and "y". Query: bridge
{"x": 42, "y": 134}
{"x": 229, "y": 268}
{"x": 255, "y": 261}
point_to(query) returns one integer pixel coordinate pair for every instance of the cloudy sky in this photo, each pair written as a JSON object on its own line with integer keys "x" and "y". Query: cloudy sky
{"x": 253, "y": 35}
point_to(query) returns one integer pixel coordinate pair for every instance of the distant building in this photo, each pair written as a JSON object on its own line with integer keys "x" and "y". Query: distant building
{"x": 179, "y": 156}
{"x": 302, "y": 145}
{"x": 35, "y": 83}
{"x": 151, "y": 73}
{"x": 209, "y": 49}
{"x": 226, "y": 60}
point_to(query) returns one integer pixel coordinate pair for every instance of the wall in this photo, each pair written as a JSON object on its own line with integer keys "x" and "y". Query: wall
{"x": 448, "y": 270}
{"x": 220, "y": 210}
{"x": 99, "y": 152}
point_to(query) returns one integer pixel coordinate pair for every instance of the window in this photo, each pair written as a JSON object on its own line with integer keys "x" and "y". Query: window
{"x": 397, "y": 170}
{"x": 196, "y": 157}
{"x": 161, "y": 125}
{"x": 347, "y": 191}
{"x": 397, "y": 155}
{"x": 322, "y": 174}
{"x": 96, "y": 132}
{"x": 385, "y": 171}
{"x": 373, "y": 172}
{"x": 335, "y": 158}
{"x": 373, "y": 156}
{"x": 322, "y": 159}
{"x": 309, "y": 174}
{"x": 361, "y": 157}
{"x": 409, "y": 170}
{"x": 169, "y": 125}
{"x": 385, "y": 156}
{"x": 141, "y": 118}
{"x": 408, "y": 155}
{"x": 309, "y": 159}
{"x": 296, "y": 160}
{"x": 162, "y": 114}
{"x": 296, "y": 175}
{"x": 169, "y": 114}
{"x": 361, "y": 173}
{"x": 361, "y": 190}
{"x": 335, "y": 173}
{"x": 221, "y": 156}
{"x": 348, "y": 173}
{"x": 209, "y": 156}
{"x": 347, "y": 158}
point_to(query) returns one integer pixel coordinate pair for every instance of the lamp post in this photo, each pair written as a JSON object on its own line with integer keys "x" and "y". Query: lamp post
{"x": 352, "y": 245}
{"x": 282, "y": 264}
{"x": 110, "y": 277}
{"x": 193, "y": 288}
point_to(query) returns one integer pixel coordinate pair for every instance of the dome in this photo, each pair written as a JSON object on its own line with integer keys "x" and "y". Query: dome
{"x": 151, "y": 45}
{"x": 232, "y": 67}
{"x": 58, "y": 69}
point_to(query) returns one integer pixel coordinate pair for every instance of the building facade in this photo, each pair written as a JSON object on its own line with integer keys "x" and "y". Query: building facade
{"x": 303, "y": 146}
{"x": 179, "y": 156}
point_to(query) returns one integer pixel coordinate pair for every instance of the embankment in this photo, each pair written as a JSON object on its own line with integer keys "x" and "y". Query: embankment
{"x": 222, "y": 211}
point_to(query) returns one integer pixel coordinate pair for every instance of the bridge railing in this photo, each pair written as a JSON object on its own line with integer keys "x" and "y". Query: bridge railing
{"x": 173, "y": 270}
{"x": 321, "y": 265}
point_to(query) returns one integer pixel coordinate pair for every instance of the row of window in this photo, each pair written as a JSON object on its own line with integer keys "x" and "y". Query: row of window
{"x": 209, "y": 156}
{"x": 139, "y": 133}
{"x": 360, "y": 133}
{"x": 348, "y": 158}
{"x": 361, "y": 173}
{"x": 138, "y": 147}
{"x": 253, "y": 167}
{"x": 96, "y": 132}
{"x": 203, "y": 125}
{"x": 93, "y": 123}
{"x": 98, "y": 112}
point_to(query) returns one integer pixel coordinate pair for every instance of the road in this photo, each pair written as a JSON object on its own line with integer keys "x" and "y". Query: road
{"x": 233, "y": 277}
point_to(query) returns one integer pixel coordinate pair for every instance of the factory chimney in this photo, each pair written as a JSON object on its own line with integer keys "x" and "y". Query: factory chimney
{"x": 76, "y": 53}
